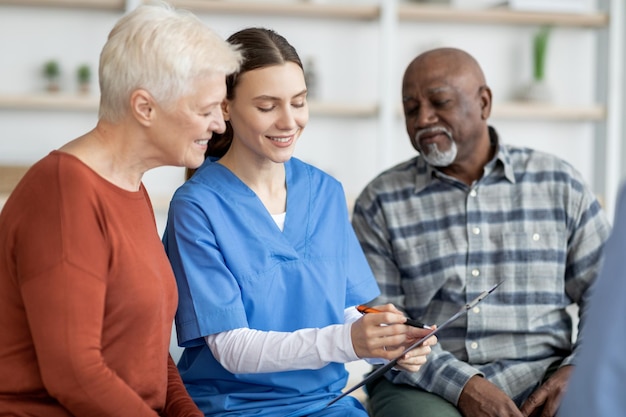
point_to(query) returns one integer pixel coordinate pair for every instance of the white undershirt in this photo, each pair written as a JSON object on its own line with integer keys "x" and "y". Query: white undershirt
{"x": 253, "y": 351}
{"x": 280, "y": 220}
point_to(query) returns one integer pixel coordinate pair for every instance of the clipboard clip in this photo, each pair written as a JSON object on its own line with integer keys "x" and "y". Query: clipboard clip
{"x": 481, "y": 296}
{"x": 380, "y": 371}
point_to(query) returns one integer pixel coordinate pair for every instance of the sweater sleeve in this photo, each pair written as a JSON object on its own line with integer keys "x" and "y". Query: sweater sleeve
{"x": 65, "y": 308}
{"x": 178, "y": 402}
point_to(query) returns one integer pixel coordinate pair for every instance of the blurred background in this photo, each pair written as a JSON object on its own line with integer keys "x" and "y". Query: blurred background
{"x": 555, "y": 68}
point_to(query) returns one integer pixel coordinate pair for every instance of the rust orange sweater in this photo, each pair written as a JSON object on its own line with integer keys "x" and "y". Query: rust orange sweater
{"x": 87, "y": 300}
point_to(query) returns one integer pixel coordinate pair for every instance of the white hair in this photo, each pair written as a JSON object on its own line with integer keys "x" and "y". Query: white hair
{"x": 161, "y": 50}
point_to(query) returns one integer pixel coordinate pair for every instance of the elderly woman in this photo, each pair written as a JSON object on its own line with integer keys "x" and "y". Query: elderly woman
{"x": 87, "y": 295}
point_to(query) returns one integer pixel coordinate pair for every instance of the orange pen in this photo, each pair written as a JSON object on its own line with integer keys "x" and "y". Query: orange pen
{"x": 363, "y": 309}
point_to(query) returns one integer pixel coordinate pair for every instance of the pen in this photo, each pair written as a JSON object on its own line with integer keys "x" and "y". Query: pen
{"x": 410, "y": 322}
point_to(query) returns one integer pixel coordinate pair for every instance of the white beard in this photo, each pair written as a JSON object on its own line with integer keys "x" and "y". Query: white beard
{"x": 437, "y": 158}
{"x": 432, "y": 155}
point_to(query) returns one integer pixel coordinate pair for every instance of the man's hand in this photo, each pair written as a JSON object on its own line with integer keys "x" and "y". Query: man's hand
{"x": 480, "y": 398}
{"x": 546, "y": 399}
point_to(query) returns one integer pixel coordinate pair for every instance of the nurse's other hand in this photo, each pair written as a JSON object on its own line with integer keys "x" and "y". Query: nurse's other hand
{"x": 413, "y": 360}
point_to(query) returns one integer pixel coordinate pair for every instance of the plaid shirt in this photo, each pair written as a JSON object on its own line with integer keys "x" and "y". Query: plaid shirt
{"x": 435, "y": 243}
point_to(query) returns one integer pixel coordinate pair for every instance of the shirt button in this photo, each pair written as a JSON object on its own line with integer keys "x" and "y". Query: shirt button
{"x": 536, "y": 236}
{"x": 476, "y": 310}
{"x": 475, "y": 272}
{"x": 473, "y": 193}
{"x": 476, "y": 230}
{"x": 474, "y": 345}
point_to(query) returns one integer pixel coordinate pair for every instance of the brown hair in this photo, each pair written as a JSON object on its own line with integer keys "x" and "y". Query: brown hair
{"x": 260, "y": 48}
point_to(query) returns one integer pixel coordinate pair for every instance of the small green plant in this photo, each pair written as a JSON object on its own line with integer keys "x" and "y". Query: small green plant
{"x": 52, "y": 72}
{"x": 537, "y": 89}
{"x": 83, "y": 76}
{"x": 540, "y": 47}
{"x": 51, "y": 69}
{"x": 83, "y": 73}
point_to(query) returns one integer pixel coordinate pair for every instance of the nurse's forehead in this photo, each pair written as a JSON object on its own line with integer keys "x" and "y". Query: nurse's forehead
{"x": 270, "y": 85}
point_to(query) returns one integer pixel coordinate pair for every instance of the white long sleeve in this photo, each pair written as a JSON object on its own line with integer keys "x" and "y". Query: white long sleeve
{"x": 351, "y": 314}
{"x": 252, "y": 351}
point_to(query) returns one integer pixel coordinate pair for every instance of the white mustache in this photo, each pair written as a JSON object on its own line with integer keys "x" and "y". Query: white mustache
{"x": 430, "y": 130}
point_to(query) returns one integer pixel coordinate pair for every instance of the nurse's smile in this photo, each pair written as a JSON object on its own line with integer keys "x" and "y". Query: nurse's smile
{"x": 282, "y": 142}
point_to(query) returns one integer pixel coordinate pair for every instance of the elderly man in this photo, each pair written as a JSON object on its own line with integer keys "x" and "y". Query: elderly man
{"x": 466, "y": 213}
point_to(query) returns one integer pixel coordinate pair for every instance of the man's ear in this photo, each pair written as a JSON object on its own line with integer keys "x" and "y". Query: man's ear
{"x": 485, "y": 102}
{"x": 142, "y": 106}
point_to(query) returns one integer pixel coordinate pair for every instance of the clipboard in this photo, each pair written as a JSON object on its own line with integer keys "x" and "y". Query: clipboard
{"x": 383, "y": 369}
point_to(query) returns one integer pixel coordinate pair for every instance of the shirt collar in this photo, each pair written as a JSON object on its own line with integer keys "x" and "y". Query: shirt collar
{"x": 502, "y": 156}
{"x": 426, "y": 174}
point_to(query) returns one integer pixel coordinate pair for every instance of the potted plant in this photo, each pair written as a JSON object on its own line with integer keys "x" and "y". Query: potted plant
{"x": 537, "y": 90}
{"x": 540, "y": 46}
{"x": 83, "y": 76}
{"x": 52, "y": 73}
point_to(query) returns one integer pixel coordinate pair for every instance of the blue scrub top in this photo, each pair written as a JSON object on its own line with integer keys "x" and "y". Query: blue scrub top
{"x": 235, "y": 268}
{"x": 596, "y": 387}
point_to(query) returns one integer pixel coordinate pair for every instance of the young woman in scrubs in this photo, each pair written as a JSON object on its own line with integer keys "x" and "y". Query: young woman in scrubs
{"x": 268, "y": 267}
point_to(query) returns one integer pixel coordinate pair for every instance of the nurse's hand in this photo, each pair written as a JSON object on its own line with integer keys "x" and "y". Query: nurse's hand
{"x": 384, "y": 335}
{"x": 413, "y": 360}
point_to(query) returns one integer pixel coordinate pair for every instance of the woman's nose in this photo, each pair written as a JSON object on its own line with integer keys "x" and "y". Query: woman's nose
{"x": 287, "y": 119}
{"x": 217, "y": 125}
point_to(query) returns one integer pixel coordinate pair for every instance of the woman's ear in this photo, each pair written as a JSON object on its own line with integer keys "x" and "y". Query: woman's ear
{"x": 142, "y": 106}
{"x": 225, "y": 109}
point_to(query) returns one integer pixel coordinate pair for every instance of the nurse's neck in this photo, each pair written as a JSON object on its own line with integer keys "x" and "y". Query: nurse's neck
{"x": 267, "y": 180}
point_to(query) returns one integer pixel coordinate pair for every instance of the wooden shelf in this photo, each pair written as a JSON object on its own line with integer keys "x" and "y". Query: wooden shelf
{"x": 499, "y": 15}
{"x": 520, "y": 110}
{"x": 406, "y": 12}
{"x": 82, "y": 4}
{"x": 294, "y": 8}
{"x": 337, "y": 109}
{"x": 505, "y": 110}
{"x": 548, "y": 112}
{"x": 10, "y": 175}
{"x": 302, "y": 8}
{"x": 49, "y": 101}
{"x": 76, "y": 102}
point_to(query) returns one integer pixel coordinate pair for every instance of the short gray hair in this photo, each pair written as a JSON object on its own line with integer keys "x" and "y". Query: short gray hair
{"x": 161, "y": 50}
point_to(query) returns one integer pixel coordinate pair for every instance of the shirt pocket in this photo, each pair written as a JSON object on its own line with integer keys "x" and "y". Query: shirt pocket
{"x": 533, "y": 265}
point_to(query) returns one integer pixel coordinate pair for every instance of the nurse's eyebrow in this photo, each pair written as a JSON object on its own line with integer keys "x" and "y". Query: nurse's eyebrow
{"x": 273, "y": 98}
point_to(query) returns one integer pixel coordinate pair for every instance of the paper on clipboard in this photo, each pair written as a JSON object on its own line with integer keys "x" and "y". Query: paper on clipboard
{"x": 380, "y": 371}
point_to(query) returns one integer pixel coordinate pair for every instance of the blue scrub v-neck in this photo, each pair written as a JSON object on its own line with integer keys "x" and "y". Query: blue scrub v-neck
{"x": 234, "y": 269}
